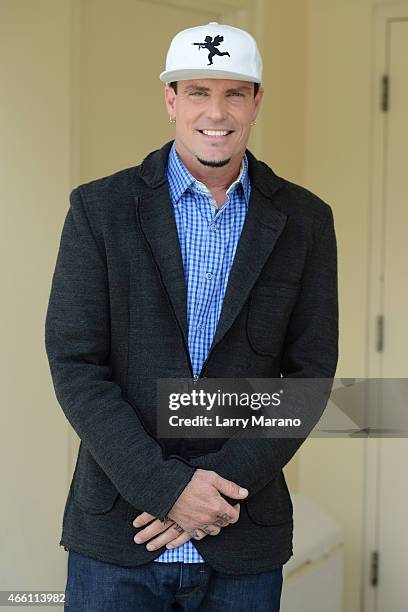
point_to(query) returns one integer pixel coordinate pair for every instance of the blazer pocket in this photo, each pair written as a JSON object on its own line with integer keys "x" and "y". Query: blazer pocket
{"x": 91, "y": 488}
{"x": 272, "y": 505}
{"x": 269, "y": 310}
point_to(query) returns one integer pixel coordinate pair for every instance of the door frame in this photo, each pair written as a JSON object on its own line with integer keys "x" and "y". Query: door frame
{"x": 382, "y": 14}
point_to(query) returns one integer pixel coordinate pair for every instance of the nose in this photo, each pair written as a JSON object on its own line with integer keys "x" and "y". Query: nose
{"x": 216, "y": 109}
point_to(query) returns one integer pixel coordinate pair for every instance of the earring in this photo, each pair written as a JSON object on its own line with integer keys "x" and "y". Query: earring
{"x": 172, "y": 120}
{"x": 253, "y": 123}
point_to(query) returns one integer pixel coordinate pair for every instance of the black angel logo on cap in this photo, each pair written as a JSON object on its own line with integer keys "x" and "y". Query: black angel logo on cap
{"x": 212, "y": 45}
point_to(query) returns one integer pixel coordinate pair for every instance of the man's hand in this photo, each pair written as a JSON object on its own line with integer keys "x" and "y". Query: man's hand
{"x": 200, "y": 503}
{"x": 170, "y": 534}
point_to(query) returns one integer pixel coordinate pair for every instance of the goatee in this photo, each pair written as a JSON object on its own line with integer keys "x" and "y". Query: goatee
{"x": 214, "y": 164}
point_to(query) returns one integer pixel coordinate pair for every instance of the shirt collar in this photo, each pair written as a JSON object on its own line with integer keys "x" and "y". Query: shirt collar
{"x": 180, "y": 179}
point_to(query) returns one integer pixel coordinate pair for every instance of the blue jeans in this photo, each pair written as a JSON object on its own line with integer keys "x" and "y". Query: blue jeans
{"x": 96, "y": 586}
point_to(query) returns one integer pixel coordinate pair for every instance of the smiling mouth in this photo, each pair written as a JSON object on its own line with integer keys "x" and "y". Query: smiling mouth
{"x": 215, "y": 133}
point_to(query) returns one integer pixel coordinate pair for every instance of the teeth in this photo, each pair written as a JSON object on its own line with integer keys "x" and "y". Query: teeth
{"x": 215, "y": 132}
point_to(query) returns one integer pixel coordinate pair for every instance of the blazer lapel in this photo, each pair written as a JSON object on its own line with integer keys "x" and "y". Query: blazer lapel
{"x": 159, "y": 227}
{"x": 262, "y": 227}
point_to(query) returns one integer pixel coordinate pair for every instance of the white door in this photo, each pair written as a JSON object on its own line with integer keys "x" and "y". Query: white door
{"x": 388, "y": 510}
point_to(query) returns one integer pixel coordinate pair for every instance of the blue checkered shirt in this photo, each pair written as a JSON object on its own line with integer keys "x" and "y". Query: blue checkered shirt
{"x": 208, "y": 240}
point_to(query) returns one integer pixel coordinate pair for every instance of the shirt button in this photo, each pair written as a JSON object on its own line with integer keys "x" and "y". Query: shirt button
{"x": 208, "y": 275}
{"x": 195, "y": 377}
{"x": 200, "y": 326}
{"x": 213, "y": 227}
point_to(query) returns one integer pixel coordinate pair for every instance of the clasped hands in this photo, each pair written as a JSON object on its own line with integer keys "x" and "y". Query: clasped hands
{"x": 199, "y": 510}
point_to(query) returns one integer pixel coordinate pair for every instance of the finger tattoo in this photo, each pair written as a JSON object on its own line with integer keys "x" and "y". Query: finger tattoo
{"x": 221, "y": 520}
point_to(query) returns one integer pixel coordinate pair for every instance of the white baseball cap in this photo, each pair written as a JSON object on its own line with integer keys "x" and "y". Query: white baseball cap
{"x": 213, "y": 51}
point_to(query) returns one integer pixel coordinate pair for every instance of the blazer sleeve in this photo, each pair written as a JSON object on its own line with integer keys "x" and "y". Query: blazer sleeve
{"x": 77, "y": 340}
{"x": 310, "y": 351}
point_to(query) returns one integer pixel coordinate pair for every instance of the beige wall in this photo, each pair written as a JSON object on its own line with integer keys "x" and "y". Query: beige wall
{"x": 283, "y": 113}
{"x": 34, "y": 181}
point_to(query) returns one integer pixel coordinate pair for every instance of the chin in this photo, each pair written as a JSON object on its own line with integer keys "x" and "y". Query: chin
{"x": 217, "y": 155}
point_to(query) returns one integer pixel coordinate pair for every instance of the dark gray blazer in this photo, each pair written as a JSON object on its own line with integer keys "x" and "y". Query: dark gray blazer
{"x": 116, "y": 321}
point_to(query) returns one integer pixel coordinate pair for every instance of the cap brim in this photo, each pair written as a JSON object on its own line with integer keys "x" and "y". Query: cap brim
{"x": 203, "y": 73}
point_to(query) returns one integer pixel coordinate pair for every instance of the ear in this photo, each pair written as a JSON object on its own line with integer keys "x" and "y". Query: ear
{"x": 170, "y": 97}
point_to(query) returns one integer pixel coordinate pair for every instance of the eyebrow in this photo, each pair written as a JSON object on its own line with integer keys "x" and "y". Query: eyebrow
{"x": 205, "y": 89}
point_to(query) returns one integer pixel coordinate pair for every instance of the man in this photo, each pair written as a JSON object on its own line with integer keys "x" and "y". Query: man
{"x": 200, "y": 262}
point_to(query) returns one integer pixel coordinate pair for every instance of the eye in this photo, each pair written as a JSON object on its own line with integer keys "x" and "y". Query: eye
{"x": 236, "y": 93}
{"x": 197, "y": 93}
